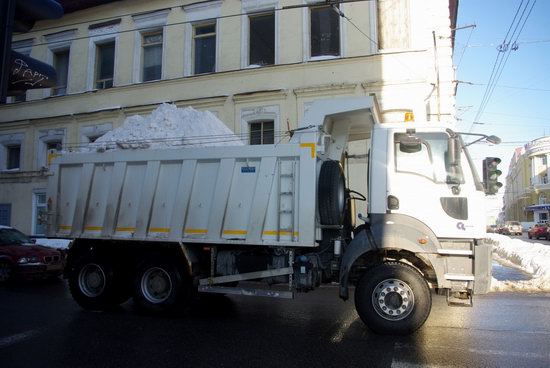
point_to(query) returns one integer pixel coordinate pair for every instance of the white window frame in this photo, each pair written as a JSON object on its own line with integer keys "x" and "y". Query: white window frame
{"x": 7, "y": 140}
{"x": 98, "y": 37}
{"x": 197, "y": 14}
{"x": 259, "y": 113}
{"x": 195, "y": 37}
{"x": 35, "y": 194}
{"x": 57, "y": 42}
{"x": 257, "y": 6}
{"x": 306, "y": 32}
{"x": 145, "y": 24}
{"x": 96, "y": 62}
{"x": 89, "y": 131}
{"x": 45, "y": 137}
{"x": 23, "y": 47}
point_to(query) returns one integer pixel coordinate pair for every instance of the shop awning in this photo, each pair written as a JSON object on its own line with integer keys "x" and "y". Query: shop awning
{"x": 538, "y": 207}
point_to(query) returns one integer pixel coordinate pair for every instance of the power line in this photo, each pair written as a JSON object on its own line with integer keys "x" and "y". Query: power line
{"x": 504, "y": 50}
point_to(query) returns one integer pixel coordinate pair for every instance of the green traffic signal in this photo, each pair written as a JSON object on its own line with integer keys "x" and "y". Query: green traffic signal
{"x": 491, "y": 174}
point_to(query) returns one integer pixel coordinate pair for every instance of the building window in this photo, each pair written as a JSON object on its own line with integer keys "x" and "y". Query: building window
{"x": 105, "y": 65}
{"x": 13, "y": 154}
{"x": 393, "y": 24}
{"x": 262, "y": 132}
{"x": 5, "y": 214}
{"x": 152, "y": 56}
{"x": 204, "y": 49}
{"x": 11, "y": 151}
{"x": 542, "y": 199}
{"x": 262, "y": 39}
{"x": 324, "y": 32}
{"x": 89, "y": 134}
{"x": 50, "y": 143}
{"x": 61, "y": 65}
{"x": 39, "y": 213}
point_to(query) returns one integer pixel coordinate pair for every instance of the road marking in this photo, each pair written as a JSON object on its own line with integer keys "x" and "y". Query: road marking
{"x": 14, "y": 339}
{"x": 401, "y": 364}
{"x": 502, "y": 353}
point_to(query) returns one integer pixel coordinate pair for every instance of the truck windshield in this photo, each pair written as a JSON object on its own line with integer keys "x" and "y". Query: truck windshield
{"x": 430, "y": 159}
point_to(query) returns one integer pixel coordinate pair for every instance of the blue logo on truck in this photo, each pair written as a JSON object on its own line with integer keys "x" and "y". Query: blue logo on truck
{"x": 248, "y": 169}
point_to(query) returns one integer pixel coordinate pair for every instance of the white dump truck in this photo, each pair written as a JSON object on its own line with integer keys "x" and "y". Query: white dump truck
{"x": 271, "y": 220}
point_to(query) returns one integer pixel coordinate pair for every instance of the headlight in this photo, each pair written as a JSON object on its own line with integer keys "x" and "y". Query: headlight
{"x": 25, "y": 260}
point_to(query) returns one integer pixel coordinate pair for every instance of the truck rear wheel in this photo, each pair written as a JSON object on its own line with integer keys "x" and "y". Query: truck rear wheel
{"x": 159, "y": 286}
{"x": 393, "y": 299}
{"x": 94, "y": 284}
{"x": 331, "y": 194}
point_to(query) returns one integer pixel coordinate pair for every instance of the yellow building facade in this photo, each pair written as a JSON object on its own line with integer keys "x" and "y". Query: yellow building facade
{"x": 256, "y": 64}
{"x": 527, "y": 193}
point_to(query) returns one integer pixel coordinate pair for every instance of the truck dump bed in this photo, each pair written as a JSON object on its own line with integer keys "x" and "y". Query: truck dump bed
{"x": 245, "y": 194}
{"x": 250, "y": 194}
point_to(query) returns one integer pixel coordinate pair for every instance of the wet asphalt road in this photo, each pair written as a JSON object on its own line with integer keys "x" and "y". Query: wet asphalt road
{"x": 40, "y": 326}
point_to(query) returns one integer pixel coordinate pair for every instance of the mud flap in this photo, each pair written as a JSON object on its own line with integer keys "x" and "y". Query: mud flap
{"x": 483, "y": 253}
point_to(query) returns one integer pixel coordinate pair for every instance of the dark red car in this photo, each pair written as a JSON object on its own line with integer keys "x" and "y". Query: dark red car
{"x": 20, "y": 257}
{"x": 539, "y": 231}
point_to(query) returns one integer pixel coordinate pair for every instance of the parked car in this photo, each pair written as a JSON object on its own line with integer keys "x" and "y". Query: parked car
{"x": 492, "y": 229}
{"x": 514, "y": 227}
{"x": 539, "y": 231}
{"x": 20, "y": 257}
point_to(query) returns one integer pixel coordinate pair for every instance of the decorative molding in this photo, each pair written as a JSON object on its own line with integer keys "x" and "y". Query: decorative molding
{"x": 151, "y": 19}
{"x": 253, "y": 96}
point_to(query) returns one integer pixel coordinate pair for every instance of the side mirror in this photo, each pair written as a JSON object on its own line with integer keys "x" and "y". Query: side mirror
{"x": 410, "y": 144}
{"x": 455, "y": 169}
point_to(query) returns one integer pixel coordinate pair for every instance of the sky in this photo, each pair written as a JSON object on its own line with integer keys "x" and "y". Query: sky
{"x": 518, "y": 110}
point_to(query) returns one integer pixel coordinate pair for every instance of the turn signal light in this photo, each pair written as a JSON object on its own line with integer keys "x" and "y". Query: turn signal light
{"x": 409, "y": 117}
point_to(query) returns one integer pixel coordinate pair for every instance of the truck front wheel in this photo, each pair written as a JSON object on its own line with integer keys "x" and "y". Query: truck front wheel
{"x": 393, "y": 299}
{"x": 159, "y": 286}
{"x": 94, "y": 284}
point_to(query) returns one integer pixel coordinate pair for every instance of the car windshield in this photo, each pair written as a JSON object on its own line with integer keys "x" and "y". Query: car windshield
{"x": 13, "y": 237}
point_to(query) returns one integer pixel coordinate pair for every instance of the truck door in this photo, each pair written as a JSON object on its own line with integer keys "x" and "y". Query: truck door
{"x": 426, "y": 182}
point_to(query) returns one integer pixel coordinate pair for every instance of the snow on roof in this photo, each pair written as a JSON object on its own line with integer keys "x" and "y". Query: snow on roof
{"x": 531, "y": 257}
{"x": 168, "y": 127}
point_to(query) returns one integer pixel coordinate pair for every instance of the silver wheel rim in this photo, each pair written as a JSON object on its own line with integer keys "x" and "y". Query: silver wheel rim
{"x": 156, "y": 285}
{"x": 393, "y": 299}
{"x": 4, "y": 272}
{"x": 91, "y": 280}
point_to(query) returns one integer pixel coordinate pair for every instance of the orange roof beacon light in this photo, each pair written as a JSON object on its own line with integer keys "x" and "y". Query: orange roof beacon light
{"x": 409, "y": 117}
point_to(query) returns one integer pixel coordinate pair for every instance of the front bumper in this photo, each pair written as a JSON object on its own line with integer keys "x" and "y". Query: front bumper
{"x": 31, "y": 270}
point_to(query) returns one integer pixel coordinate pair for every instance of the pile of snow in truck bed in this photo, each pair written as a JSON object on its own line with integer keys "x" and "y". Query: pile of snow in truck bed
{"x": 168, "y": 127}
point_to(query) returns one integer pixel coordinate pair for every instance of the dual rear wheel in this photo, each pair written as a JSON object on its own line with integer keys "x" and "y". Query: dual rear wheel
{"x": 156, "y": 285}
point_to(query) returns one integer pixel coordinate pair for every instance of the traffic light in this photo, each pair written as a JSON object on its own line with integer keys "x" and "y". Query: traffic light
{"x": 18, "y": 72}
{"x": 491, "y": 174}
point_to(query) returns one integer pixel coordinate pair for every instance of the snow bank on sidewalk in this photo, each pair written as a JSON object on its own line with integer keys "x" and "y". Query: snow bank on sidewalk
{"x": 530, "y": 257}
{"x": 168, "y": 127}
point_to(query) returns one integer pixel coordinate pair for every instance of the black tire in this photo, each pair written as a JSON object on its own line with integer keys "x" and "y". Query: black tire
{"x": 331, "y": 194}
{"x": 393, "y": 299}
{"x": 95, "y": 285}
{"x": 529, "y": 236}
{"x": 160, "y": 286}
{"x": 6, "y": 272}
